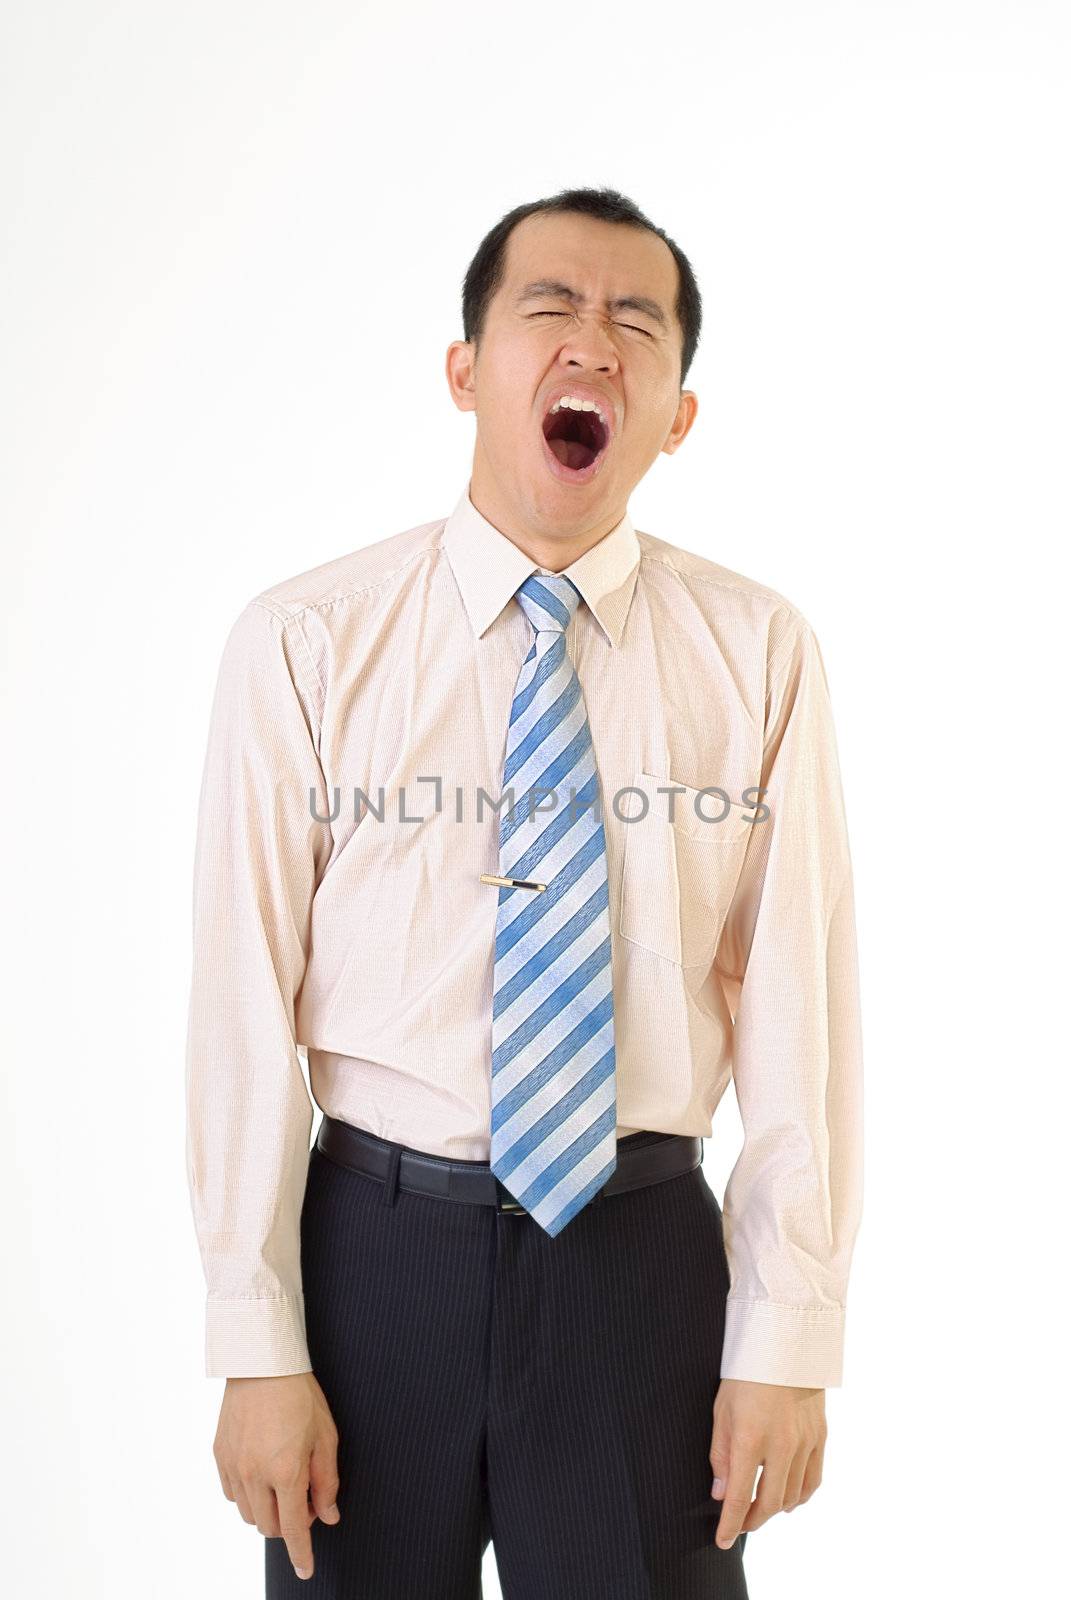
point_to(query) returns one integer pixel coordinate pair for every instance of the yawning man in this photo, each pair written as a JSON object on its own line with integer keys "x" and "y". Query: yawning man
{"x": 525, "y": 826}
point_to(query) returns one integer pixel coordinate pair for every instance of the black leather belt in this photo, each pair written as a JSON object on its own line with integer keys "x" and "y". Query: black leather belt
{"x": 642, "y": 1158}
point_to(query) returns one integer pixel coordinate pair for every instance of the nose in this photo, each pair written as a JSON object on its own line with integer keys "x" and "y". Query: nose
{"x": 590, "y": 347}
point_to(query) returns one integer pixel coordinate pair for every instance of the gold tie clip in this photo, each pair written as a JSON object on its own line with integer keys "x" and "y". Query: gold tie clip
{"x": 510, "y": 883}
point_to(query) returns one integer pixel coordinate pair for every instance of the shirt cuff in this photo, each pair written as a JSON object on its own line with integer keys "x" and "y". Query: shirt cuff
{"x": 256, "y": 1338}
{"x": 802, "y": 1346}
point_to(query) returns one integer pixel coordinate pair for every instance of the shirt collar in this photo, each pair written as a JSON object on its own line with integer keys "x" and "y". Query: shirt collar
{"x": 489, "y": 569}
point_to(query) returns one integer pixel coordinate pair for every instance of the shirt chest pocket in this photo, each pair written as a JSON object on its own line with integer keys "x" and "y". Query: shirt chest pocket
{"x": 678, "y": 878}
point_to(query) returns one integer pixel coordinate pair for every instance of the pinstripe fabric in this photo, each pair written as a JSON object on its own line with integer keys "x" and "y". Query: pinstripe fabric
{"x": 553, "y": 1397}
{"x": 553, "y": 1078}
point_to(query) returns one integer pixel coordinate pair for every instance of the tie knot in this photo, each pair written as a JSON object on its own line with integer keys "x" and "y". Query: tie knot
{"x": 549, "y": 600}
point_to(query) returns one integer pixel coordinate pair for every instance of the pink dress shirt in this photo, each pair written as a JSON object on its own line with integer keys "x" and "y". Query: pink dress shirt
{"x": 381, "y": 682}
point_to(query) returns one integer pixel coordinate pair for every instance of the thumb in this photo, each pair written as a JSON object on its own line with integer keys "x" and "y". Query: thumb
{"x": 323, "y": 1483}
{"x": 719, "y": 1459}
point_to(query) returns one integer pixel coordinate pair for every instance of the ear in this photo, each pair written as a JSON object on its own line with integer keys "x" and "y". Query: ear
{"x": 682, "y": 422}
{"x": 461, "y": 373}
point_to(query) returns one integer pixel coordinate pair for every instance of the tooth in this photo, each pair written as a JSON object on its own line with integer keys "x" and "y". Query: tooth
{"x": 571, "y": 403}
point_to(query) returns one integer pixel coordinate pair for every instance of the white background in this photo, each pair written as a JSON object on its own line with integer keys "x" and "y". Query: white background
{"x": 234, "y": 238}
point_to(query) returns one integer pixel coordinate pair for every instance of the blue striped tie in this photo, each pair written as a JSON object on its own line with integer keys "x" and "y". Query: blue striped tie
{"x": 553, "y": 1084}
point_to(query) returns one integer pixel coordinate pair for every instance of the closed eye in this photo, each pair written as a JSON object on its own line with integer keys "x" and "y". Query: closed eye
{"x": 631, "y": 326}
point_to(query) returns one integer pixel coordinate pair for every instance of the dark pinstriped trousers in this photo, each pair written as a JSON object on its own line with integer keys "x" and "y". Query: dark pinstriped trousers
{"x": 490, "y": 1383}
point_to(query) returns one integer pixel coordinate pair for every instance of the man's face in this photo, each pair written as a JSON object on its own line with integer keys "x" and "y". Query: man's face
{"x": 614, "y": 340}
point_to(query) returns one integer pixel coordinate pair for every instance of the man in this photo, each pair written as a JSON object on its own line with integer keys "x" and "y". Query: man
{"x": 497, "y": 1300}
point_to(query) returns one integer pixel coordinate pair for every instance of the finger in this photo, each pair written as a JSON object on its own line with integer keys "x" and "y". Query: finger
{"x": 721, "y": 1450}
{"x": 794, "y": 1481}
{"x": 812, "y": 1477}
{"x": 262, "y": 1499}
{"x": 225, "y": 1482}
{"x": 738, "y": 1490}
{"x": 323, "y": 1482}
{"x": 720, "y": 1456}
{"x": 295, "y": 1520}
{"x": 771, "y": 1495}
{"x": 244, "y": 1504}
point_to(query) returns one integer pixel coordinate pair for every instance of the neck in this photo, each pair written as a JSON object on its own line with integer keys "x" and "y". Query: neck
{"x": 553, "y": 549}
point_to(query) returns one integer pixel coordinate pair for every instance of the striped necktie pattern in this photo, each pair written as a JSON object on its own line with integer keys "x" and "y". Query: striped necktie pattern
{"x": 553, "y": 1083}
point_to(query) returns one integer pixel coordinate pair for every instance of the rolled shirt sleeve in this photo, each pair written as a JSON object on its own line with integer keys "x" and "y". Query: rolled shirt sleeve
{"x": 787, "y": 960}
{"x": 258, "y": 855}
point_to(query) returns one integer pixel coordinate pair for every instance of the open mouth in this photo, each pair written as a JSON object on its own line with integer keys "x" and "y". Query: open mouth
{"x": 576, "y": 438}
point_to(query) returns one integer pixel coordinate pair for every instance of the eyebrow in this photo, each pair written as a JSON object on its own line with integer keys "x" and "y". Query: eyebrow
{"x": 551, "y": 288}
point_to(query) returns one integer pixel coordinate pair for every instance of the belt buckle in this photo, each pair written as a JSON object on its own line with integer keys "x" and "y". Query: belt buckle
{"x": 505, "y": 1201}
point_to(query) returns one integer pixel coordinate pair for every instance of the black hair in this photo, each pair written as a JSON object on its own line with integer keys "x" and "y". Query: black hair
{"x": 486, "y": 269}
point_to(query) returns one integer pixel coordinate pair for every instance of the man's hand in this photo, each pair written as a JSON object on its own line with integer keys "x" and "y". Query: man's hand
{"x": 769, "y": 1424}
{"x": 276, "y": 1441}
